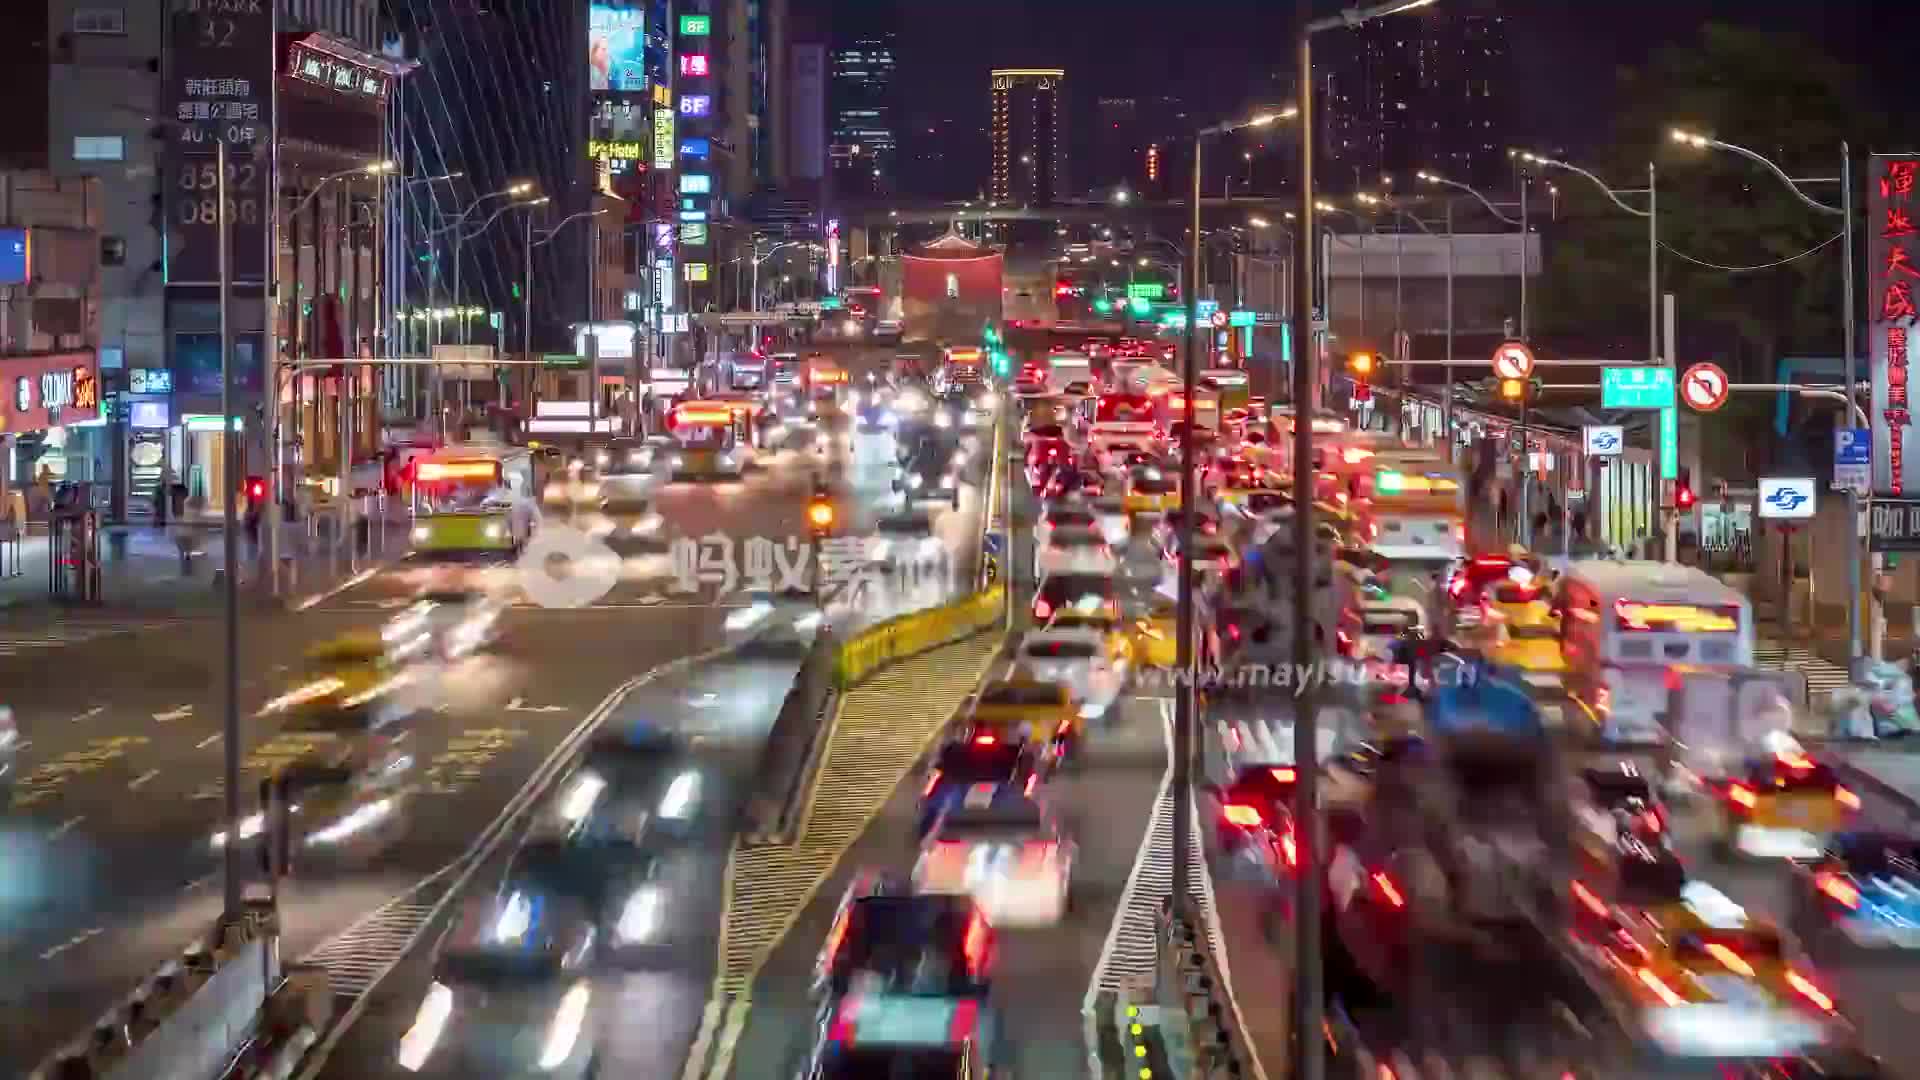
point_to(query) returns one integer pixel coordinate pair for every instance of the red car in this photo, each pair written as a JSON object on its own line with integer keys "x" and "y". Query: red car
{"x": 1044, "y": 458}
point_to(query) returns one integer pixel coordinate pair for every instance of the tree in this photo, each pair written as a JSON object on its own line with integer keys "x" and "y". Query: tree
{"x": 1775, "y": 94}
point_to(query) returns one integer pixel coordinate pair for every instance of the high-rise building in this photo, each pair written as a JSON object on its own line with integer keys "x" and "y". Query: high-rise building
{"x": 865, "y": 141}
{"x": 1029, "y": 135}
{"x": 1425, "y": 91}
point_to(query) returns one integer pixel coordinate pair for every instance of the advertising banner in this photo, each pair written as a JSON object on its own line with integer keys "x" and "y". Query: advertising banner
{"x": 616, "y": 48}
{"x": 219, "y": 90}
{"x": 1891, "y": 274}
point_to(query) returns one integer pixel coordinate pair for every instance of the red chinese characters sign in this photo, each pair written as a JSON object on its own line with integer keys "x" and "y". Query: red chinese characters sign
{"x": 1893, "y": 250}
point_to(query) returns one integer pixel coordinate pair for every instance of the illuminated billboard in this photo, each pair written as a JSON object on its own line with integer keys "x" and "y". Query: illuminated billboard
{"x": 616, "y": 48}
{"x": 696, "y": 104}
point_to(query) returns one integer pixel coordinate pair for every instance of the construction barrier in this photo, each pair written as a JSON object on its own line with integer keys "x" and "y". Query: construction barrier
{"x": 908, "y": 635}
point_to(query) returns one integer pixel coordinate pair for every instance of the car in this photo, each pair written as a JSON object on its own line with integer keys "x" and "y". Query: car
{"x": 1085, "y": 483}
{"x": 1257, "y": 505}
{"x": 1780, "y": 804}
{"x": 928, "y": 474}
{"x": 1860, "y": 897}
{"x": 601, "y": 853}
{"x": 1255, "y": 823}
{"x": 1525, "y": 635}
{"x": 1006, "y": 850}
{"x": 1622, "y": 839}
{"x": 1111, "y": 518}
{"x": 627, "y": 470}
{"x": 884, "y": 935}
{"x": 904, "y": 542}
{"x": 1074, "y": 550}
{"x": 1212, "y": 555}
{"x": 1032, "y": 381}
{"x": 1061, "y": 513}
{"x": 510, "y": 994}
{"x": 1117, "y": 457}
{"x": 1044, "y": 458}
{"x": 1372, "y": 629}
{"x": 921, "y": 1037}
{"x": 1166, "y": 531}
{"x": 445, "y": 624}
{"x": 1083, "y": 594}
{"x": 1029, "y": 712}
{"x": 1091, "y": 663}
{"x": 873, "y": 409}
{"x": 886, "y": 331}
{"x": 1152, "y": 490}
{"x": 967, "y": 764}
{"x": 353, "y": 673}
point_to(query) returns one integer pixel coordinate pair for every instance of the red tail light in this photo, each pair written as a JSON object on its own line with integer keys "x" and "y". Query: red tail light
{"x": 1839, "y": 889}
{"x": 1660, "y": 989}
{"x": 1846, "y": 798}
{"x": 1590, "y": 901}
{"x": 1343, "y": 642}
{"x": 1794, "y": 761}
{"x": 1392, "y": 699}
{"x": 984, "y": 740}
{"x": 1806, "y": 989}
{"x": 1289, "y": 850}
{"x": 1233, "y": 631}
{"x": 933, "y": 781}
{"x": 1742, "y": 795}
{"x": 974, "y": 947}
{"x": 1247, "y": 817}
{"x": 1388, "y": 891}
{"x": 1032, "y": 782}
{"x": 1457, "y": 586}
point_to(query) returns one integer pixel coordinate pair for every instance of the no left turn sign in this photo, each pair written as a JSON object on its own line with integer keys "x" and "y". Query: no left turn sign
{"x": 1513, "y": 360}
{"x": 1704, "y": 387}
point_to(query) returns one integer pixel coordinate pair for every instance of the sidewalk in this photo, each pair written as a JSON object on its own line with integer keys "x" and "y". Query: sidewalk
{"x": 141, "y": 569}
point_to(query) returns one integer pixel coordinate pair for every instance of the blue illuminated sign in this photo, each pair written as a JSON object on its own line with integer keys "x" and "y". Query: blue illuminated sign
{"x": 695, "y": 183}
{"x": 693, "y": 215}
{"x": 695, "y": 148}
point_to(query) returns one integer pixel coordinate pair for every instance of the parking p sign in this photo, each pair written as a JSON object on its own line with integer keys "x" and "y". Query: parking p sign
{"x": 1605, "y": 440}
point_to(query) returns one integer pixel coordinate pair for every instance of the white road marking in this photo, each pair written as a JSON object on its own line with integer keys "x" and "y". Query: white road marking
{"x": 520, "y": 705}
{"x": 66, "y": 827}
{"x": 208, "y": 741}
{"x": 360, "y": 578}
{"x": 89, "y": 714}
{"x": 137, "y": 781}
{"x": 178, "y": 713}
{"x": 77, "y": 939}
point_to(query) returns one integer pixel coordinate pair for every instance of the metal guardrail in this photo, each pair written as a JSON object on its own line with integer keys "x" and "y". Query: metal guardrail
{"x": 1198, "y": 1034}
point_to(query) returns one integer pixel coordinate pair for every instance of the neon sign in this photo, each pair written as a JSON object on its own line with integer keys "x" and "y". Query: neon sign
{"x": 1890, "y": 212}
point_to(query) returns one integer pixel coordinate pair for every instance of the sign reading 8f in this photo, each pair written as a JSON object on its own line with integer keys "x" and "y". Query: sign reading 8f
{"x": 198, "y": 203}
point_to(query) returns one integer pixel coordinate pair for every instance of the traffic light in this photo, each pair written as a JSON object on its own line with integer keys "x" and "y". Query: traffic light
{"x": 1513, "y": 390}
{"x": 820, "y": 514}
{"x": 256, "y": 488}
{"x": 1683, "y": 497}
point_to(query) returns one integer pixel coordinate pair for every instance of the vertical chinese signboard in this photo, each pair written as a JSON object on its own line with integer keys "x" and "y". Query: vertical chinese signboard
{"x": 1892, "y": 274}
{"x": 219, "y": 90}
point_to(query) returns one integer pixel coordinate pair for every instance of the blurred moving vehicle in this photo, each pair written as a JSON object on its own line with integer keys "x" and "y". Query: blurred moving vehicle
{"x": 647, "y": 771}
{"x": 1156, "y": 635}
{"x": 930, "y": 473}
{"x": 1062, "y": 514}
{"x": 1093, "y": 665}
{"x": 711, "y": 439}
{"x": 1781, "y": 804}
{"x": 1007, "y": 851}
{"x": 1076, "y": 594}
{"x": 9, "y": 749}
{"x": 881, "y": 1036}
{"x": 628, "y": 472}
{"x": 449, "y": 624}
{"x": 884, "y": 938}
{"x": 1074, "y": 550}
{"x": 473, "y": 500}
{"x": 354, "y": 674}
{"x": 1256, "y": 817}
{"x": 982, "y": 760}
{"x": 1622, "y": 841}
{"x": 1860, "y": 897}
{"x": 1373, "y": 629}
{"x": 905, "y": 542}
{"x": 1149, "y": 490}
{"x": 510, "y": 995}
{"x": 1027, "y": 711}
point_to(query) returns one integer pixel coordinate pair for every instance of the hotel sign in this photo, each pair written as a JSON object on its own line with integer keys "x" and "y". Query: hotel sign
{"x": 663, "y": 143}
{"x": 310, "y": 65}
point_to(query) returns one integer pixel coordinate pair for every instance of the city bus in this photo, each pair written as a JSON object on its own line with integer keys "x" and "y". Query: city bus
{"x": 1625, "y": 624}
{"x": 711, "y": 439}
{"x": 473, "y": 500}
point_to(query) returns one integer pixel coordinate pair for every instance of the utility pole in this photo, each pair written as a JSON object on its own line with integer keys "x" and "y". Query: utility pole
{"x": 231, "y": 491}
{"x": 1184, "y": 693}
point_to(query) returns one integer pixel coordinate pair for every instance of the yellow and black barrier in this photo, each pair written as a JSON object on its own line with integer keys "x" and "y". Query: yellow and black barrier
{"x": 915, "y": 633}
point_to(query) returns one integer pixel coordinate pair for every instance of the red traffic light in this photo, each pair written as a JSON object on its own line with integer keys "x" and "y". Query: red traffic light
{"x": 256, "y": 488}
{"x": 1683, "y": 497}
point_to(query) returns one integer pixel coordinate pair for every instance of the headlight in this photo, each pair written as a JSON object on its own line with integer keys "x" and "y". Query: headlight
{"x": 949, "y": 482}
{"x": 679, "y": 461}
{"x": 987, "y": 400}
{"x": 418, "y": 1043}
{"x": 943, "y": 421}
{"x": 250, "y": 827}
{"x": 564, "y": 1033}
{"x": 639, "y": 916}
{"x": 603, "y": 459}
{"x": 358, "y": 821}
{"x": 728, "y": 457}
{"x": 889, "y": 418}
{"x": 916, "y": 480}
{"x": 959, "y": 461}
{"x": 496, "y": 531}
{"x": 580, "y": 798}
{"x": 682, "y": 795}
{"x": 420, "y": 534}
{"x": 1092, "y": 712}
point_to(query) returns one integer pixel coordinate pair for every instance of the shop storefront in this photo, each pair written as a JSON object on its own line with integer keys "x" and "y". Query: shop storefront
{"x": 54, "y": 431}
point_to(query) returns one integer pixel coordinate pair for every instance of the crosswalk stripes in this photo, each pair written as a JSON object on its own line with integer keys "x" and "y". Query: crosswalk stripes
{"x": 357, "y": 956}
{"x": 1822, "y": 674}
{"x": 77, "y": 632}
{"x": 1133, "y": 949}
{"x": 881, "y": 729}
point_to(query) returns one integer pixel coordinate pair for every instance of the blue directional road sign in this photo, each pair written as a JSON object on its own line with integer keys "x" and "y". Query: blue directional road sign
{"x": 994, "y": 543}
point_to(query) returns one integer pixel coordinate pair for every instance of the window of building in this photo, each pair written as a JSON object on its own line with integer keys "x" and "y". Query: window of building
{"x": 99, "y": 148}
{"x": 113, "y": 251}
{"x": 100, "y": 20}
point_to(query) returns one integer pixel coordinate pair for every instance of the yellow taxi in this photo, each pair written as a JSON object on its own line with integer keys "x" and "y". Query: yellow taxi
{"x": 1781, "y": 804}
{"x": 1706, "y": 950}
{"x": 1152, "y": 491}
{"x": 1023, "y": 709}
{"x": 1156, "y": 636}
{"x": 1523, "y": 632}
{"x": 348, "y": 674}
{"x": 1121, "y": 649}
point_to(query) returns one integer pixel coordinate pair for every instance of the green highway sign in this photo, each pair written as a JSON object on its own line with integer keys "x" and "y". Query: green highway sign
{"x": 1240, "y": 318}
{"x": 1146, "y": 290}
{"x": 1669, "y": 443}
{"x": 829, "y": 303}
{"x": 1636, "y": 388}
{"x": 561, "y": 360}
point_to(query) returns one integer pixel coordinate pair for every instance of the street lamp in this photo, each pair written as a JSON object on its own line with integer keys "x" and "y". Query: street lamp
{"x": 1309, "y": 1009}
{"x": 1845, "y": 212}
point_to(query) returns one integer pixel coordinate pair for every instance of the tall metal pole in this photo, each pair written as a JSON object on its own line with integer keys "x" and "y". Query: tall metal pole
{"x": 1308, "y": 1008}
{"x": 1524, "y": 181}
{"x": 230, "y": 543}
{"x": 1855, "y": 504}
{"x": 1184, "y": 693}
{"x": 1446, "y": 402}
{"x": 526, "y": 296}
{"x": 459, "y": 241}
{"x": 1524, "y": 527}
{"x": 1660, "y": 356}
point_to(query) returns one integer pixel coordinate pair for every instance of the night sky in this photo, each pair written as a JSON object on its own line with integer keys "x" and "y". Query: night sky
{"x": 1224, "y": 54}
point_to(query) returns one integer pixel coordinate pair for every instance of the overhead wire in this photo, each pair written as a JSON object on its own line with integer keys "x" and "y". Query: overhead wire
{"x": 1678, "y": 254}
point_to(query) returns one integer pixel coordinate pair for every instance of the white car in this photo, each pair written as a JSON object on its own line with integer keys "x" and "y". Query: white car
{"x": 1005, "y": 850}
{"x": 1074, "y": 550}
{"x": 904, "y": 541}
{"x": 1110, "y": 517}
{"x": 1059, "y": 514}
{"x": 1078, "y": 658}
{"x": 1377, "y": 625}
